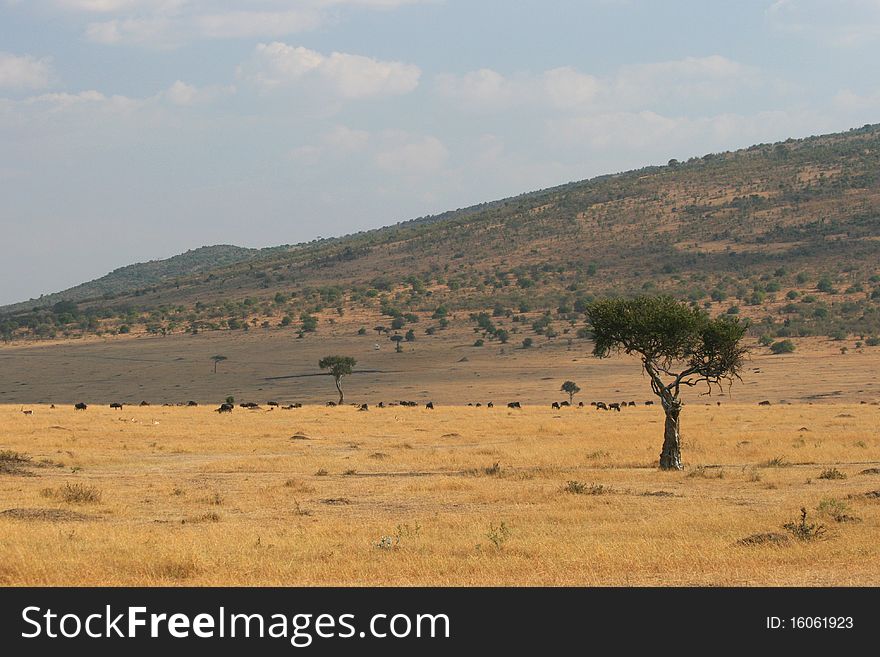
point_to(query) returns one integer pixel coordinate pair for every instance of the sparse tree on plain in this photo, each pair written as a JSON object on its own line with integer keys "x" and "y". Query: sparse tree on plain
{"x": 218, "y": 359}
{"x": 673, "y": 340}
{"x": 571, "y": 388}
{"x": 338, "y": 366}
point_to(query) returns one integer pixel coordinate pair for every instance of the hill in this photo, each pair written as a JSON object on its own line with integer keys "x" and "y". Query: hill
{"x": 133, "y": 278}
{"x": 786, "y": 233}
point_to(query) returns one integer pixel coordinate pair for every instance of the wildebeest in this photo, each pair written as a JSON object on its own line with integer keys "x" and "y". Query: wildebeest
{"x": 649, "y": 403}
{"x": 580, "y": 404}
{"x": 116, "y": 405}
{"x": 632, "y": 403}
{"x": 330, "y": 403}
{"x": 80, "y": 406}
{"x": 555, "y": 405}
{"x": 513, "y": 405}
{"x": 145, "y": 403}
{"x": 564, "y": 403}
{"x": 430, "y": 405}
{"x": 381, "y": 404}
{"x": 225, "y": 408}
{"x": 490, "y": 405}
{"x": 478, "y": 404}
{"x": 272, "y": 403}
{"x": 250, "y": 405}
{"x": 601, "y": 405}
{"x": 363, "y": 407}
{"x": 615, "y": 406}
{"x": 764, "y": 403}
{"x": 192, "y": 403}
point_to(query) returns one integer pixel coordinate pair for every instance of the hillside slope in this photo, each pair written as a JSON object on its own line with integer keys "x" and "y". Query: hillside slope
{"x": 131, "y": 278}
{"x": 787, "y": 233}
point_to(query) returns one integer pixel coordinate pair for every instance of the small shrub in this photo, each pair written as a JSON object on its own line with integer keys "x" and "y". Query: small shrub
{"x": 498, "y": 535}
{"x": 832, "y": 473}
{"x": 580, "y": 488}
{"x": 74, "y": 494}
{"x": 776, "y": 462}
{"x": 493, "y": 470}
{"x": 782, "y": 347}
{"x": 803, "y": 530}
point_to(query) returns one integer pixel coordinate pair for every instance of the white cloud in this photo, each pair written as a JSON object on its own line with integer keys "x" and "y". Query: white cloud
{"x": 412, "y": 155}
{"x": 480, "y": 90}
{"x": 183, "y": 94}
{"x": 155, "y": 32}
{"x": 703, "y": 79}
{"x": 54, "y": 102}
{"x": 277, "y": 65}
{"x": 24, "y": 71}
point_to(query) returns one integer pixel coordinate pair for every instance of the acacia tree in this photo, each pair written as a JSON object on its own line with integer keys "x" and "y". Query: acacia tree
{"x": 678, "y": 346}
{"x": 571, "y": 388}
{"x": 217, "y": 359}
{"x": 338, "y": 366}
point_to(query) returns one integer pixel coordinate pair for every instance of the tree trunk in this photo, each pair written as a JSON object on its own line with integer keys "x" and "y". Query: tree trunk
{"x": 339, "y": 388}
{"x": 670, "y": 457}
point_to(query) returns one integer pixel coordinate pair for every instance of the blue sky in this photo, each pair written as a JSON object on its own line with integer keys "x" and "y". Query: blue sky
{"x": 136, "y": 129}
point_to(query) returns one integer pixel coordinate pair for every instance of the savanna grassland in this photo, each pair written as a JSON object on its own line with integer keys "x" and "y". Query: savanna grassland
{"x": 455, "y": 496}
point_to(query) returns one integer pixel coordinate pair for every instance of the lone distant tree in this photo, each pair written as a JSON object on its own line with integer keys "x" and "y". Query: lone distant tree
{"x": 339, "y": 367}
{"x": 397, "y": 339}
{"x": 217, "y": 359}
{"x": 674, "y": 341}
{"x": 571, "y": 388}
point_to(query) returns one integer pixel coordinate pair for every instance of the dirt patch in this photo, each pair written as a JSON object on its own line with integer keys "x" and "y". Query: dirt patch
{"x": 658, "y": 493}
{"x": 50, "y": 515}
{"x": 870, "y": 471}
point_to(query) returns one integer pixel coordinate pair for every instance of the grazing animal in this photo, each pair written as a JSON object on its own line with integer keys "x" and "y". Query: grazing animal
{"x": 764, "y": 403}
{"x": 649, "y": 403}
{"x": 331, "y": 403}
{"x": 250, "y": 405}
{"x": 52, "y": 406}
{"x": 363, "y": 407}
{"x": 555, "y": 405}
{"x": 80, "y": 406}
{"x": 615, "y": 406}
{"x": 580, "y": 404}
{"x": 381, "y": 404}
{"x": 490, "y": 405}
{"x": 116, "y": 405}
{"x": 430, "y": 405}
{"x": 272, "y": 403}
{"x": 225, "y": 408}
{"x": 632, "y": 403}
{"x": 145, "y": 403}
{"x": 513, "y": 405}
{"x": 27, "y": 412}
{"x": 565, "y": 403}
{"x": 478, "y": 404}
{"x": 192, "y": 403}
{"x": 601, "y": 405}
{"x": 469, "y": 404}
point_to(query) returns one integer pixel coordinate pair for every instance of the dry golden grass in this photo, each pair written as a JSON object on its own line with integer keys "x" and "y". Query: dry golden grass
{"x": 188, "y": 496}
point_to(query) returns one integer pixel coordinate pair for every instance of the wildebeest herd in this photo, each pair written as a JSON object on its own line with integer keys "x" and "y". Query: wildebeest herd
{"x": 227, "y": 407}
